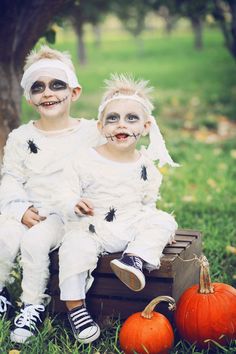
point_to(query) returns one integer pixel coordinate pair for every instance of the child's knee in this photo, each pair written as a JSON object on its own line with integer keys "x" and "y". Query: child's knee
{"x": 33, "y": 246}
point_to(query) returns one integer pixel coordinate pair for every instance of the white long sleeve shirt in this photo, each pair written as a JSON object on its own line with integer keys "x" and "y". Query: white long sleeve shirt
{"x": 125, "y": 188}
{"x": 33, "y": 164}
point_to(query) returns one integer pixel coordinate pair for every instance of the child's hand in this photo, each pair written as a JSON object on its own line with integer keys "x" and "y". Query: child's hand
{"x": 31, "y": 217}
{"x": 171, "y": 242}
{"x": 84, "y": 207}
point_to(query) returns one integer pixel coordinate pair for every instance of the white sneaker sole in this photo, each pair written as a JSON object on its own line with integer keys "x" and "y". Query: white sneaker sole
{"x": 16, "y": 338}
{"x": 131, "y": 277}
{"x": 90, "y": 339}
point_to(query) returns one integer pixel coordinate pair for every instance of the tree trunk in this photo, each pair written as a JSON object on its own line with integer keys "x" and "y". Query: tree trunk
{"x": 78, "y": 25}
{"x": 232, "y": 5}
{"x": 228, "y": 28}
{"x": 10, "y": 97}
{"x": 197, "y": 26}
{"x": 170, "y": 23}
{"x": 97, "y": 35}
{"x": 22, "y": 23}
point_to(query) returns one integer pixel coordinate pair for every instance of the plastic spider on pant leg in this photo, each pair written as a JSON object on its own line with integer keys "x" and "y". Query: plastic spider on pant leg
{"x": 110, "y": 215}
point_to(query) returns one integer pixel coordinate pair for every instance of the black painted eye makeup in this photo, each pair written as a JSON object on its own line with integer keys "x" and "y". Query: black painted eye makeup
{"x": 54, "y": 85}
{"x": 57, "y": 85}
{"x": 37, "y": 87}
{"x": 115, "y": 117}
{"x": 132, "y": 118}
{"x": 112, "y": 118}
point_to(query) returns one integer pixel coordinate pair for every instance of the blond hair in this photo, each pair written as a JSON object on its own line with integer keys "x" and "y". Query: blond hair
{"x": 46, "y": 52}
{"x": 125, "y": 84}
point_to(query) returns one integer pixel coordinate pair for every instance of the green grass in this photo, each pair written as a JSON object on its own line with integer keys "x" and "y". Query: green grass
{"x": 191, "y": 89}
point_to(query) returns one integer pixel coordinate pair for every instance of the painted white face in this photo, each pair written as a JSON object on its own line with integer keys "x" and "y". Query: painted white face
{"x": 50, "y": 96}
{"x": 124, "y": 122}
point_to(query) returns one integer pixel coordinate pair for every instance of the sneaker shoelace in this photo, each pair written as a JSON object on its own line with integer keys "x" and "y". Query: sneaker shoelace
{"x": 3, "y": 304}
{"x": 137, "y": 262}
{"x": 81, "y": 319}
{"x": 29, "y": 316}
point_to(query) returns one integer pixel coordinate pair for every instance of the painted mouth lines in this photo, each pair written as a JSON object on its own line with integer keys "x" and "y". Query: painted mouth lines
{"x": 122, "y": 136}
{"x": 51, "y": 103}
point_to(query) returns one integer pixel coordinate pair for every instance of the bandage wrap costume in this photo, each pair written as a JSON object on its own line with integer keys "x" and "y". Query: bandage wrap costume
{"x": 33, "y": 164}
{"x": 125, "y": 217}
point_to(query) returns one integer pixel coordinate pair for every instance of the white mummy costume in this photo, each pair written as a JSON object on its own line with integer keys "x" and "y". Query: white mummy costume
{"x": 125, "y": 217}
{"x": 33, "y": 164}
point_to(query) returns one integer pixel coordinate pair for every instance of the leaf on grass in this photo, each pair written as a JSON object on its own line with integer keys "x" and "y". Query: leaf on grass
{"x": 163, "y": 170}
{"x": 231, "y": 249}
{"x": 188, "y": 198}
{"x": 206, "y": 136}
{"x": 198, "y": 157}
{"x": 233, "y": 154}
{"x": 222, "y": 166}
{"x": 212, "y": 183}
{"x": 217, "y": 151}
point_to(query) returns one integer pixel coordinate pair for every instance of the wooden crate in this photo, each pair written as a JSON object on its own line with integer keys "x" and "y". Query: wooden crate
{"x": 109, "y": 297}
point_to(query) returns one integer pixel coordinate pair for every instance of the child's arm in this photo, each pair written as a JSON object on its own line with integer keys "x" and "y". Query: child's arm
{"x": 152, "y": 185}
{"x": 14, "y": 201}
{"x": 71, "y": 203}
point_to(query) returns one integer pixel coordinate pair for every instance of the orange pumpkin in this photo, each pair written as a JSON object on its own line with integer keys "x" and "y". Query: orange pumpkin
{"x": 148, "y": 331}
{"x": 207, "y": 312}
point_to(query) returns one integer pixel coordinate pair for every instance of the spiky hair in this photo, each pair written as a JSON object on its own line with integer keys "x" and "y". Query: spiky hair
{"x": 46, "y": 52}
{"x": 125, "y": 84}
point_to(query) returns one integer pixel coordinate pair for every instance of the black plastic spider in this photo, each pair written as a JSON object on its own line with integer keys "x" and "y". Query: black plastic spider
{"x": 92, "y": 229}
{"x": 144, "y": 173}
{"x": 110, "y": 215}
{"x": 32, "y": 146}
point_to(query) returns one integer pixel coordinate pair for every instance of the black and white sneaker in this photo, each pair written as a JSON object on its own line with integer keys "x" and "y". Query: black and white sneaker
{"x": 26, "y": 324}
{"x": 6, "y": 306}
{"x": 129, "y": 269}
{"x": 84, "y": 328}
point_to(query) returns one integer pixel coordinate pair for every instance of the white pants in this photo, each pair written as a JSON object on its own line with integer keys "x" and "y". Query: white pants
{"x": 35, "y": 245}
{"x": 11, "y": 233}
{"x": 79, "y": 252}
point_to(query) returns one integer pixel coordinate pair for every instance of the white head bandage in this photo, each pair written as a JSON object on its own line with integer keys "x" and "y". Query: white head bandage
{"x": 147, "y": 105}
{"x": 157, "y": 149}
{"x": 48, "y": 67}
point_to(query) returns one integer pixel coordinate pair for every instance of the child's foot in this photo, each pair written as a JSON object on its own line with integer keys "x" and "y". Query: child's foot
{"x": 129, "y": 270}
{"x": 27, "y": 323}
{"x": 84, "y": 328}
{"x": 5, "y": 304}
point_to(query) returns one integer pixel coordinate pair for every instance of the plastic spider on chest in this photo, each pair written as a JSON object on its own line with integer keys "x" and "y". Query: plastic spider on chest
{"x": 144, "y": 173}
{"x": 92, "y": 229}
{"x": 32, "y": 147}
{"x": 110, "y": 215}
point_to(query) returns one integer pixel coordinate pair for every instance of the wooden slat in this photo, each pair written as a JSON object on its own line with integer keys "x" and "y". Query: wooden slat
{"x": 179, "y": 244}
{"x": 188, "y": 232}
{"x": 102, "y": 308}
{"x": 173, "y": 250}
{"x": 57, "y": 306}
{"x": 113, "y": 287}
{"x": 168, "y": 258}
{"x": 185, "y": 238}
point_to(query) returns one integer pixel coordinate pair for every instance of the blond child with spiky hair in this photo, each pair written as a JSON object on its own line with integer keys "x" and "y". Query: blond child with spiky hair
{"x": 109, "y": 200}
{"x": 35, "y": 155}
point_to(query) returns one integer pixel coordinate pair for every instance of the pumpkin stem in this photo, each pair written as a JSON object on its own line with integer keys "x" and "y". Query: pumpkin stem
{"x": 148, "y": 311}
{"x": 205, "y": 286}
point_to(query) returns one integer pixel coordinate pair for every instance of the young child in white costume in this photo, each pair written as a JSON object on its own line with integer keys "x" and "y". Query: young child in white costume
{"x": 35, "y": 155}
{"x": 109, "y": 199}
